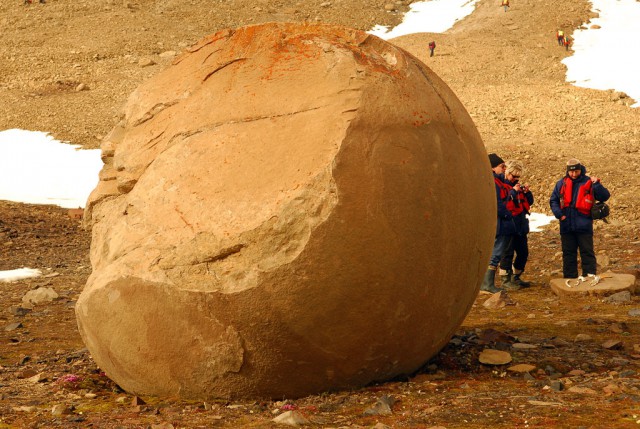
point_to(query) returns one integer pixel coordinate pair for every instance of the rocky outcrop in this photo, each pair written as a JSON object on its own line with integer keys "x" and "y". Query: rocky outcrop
{"x": 286, "y": 209}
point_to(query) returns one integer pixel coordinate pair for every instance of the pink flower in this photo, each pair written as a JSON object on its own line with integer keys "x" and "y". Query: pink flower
{"x": 69, "y": 378}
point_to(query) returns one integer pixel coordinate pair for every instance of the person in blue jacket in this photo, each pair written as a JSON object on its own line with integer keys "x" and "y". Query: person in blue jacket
{"x": 505, "y": 226}
{"x": 571, "y": 202}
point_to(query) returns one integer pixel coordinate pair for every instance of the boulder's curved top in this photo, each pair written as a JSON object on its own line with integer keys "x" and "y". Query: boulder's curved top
{"x": 286, "y": 209}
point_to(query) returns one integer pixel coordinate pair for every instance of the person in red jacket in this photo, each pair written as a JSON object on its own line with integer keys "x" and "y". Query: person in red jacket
{"x": 567, "y": 42}
{"x": 505, "y": 4}
{"x": 519, "y": 204}
{"x": 505, "y": 227}
{"x": 432, "y": 47}
{"x": 571, "y": 202}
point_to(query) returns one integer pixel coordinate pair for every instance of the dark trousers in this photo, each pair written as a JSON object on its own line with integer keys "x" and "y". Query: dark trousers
{"x": 431, "y": 50}
{"x": 571, "y": 242}
{"x": 520, "y": 246}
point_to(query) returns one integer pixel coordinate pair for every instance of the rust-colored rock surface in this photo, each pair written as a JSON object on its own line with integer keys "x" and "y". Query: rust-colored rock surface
{"x": 284, "y": 210}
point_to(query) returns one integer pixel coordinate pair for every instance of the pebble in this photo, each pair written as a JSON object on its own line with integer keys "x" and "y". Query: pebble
{"x": 382, "y": 407}
{"x": 582, "y": 338}
{"x": 291, "y": 418}
{"x": 13, "y": 326}
{"x": 524, "y": 346}
{"x": 617, "y": 298}
{"x": 522, "y": 367}
{"x": 612, "y": 344}
{"x": 494, "y": 357}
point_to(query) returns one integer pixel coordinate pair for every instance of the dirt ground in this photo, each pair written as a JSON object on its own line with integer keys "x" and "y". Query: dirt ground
{"x": 66, "y": 67}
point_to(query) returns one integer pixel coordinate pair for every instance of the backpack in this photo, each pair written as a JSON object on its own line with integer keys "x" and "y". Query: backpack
{"x": 600, "y": 210}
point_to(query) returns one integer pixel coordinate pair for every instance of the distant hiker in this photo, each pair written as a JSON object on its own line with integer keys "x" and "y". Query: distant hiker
{"x": 566, "y": 41}
{"x": 571, "y": 202}
{"x": 560, "y": 37}
{"x": 432, "y": 47}
{"x": 505, "y": 227}
{"x": 27, "y": 1}
{"x": 505, "y": 4}
{"x": 519, "y": 202}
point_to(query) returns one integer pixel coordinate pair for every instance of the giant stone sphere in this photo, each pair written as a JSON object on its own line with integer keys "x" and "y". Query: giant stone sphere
{"x": 286, "y": 209}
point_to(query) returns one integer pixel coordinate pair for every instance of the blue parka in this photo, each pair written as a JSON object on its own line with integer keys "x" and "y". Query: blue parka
{"x": 505, "y": 224}
{"x": 576, "y": 222}
{"x": 521, "y": 220}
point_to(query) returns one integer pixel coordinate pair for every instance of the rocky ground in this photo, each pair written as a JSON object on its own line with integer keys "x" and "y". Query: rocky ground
{"x": 67, "y": 68}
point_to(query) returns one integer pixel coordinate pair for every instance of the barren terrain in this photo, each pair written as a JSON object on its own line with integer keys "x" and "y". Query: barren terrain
{"x": 66, "y": 67}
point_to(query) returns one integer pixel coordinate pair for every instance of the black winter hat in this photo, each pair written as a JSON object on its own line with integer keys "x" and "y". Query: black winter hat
{"x": 573, "y": 164}
{"x": 495, "y": 160}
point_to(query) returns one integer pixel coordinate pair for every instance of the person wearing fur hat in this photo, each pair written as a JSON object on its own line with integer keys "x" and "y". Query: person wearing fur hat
{"x": 571, "y": 202}
{"x": 505, "y": 226}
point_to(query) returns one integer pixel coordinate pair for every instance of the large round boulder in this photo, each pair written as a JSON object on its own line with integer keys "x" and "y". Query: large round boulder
{"x": 286, "y": 209}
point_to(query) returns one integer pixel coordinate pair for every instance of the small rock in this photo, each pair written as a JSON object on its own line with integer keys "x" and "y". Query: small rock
{"x": 524, "y": 346}
{"x": 136, "y": 401}
{"x": 576, "y": 373}
{"x": 612, "y": 344}
{"x": 556, "y": 385}
{"x": 497, "y": 301}
{"x": 20, "y": 311}
{"x": 494, "y": 357}
{"x": 610, "y": 389}
{"x": 164, "y": 425}
{"x": 381, "y": 426}
{"x": 38, "y": 378}
{"x": 60, "y": 410}
{"x": 618, "y": 298}
{"x": 25, "y": 409}
{"x": 13, "y": 326}
{"x": 291, "y": 418}
{"x": 146, "y": 62}
{"x": 389, "y": 7}
{"x": 168, "y": 54}
{"x": 582, "y": 390}
{"x": 634, "y": 312}
{"x": 582, "y": 338}
{"x": 382, "y": 407}
{"x": 81, "y": 87}
{"x": 521, "y": 367}
{"x": 39, "y": 296}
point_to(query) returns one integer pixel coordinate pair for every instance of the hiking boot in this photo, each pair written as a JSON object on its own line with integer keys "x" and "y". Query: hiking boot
{"x": 507, "y": 284}
{"x": 488, "y": 282}
{"x": 517, "y": 280}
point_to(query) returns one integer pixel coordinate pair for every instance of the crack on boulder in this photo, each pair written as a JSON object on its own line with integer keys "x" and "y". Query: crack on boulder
{"x": 151, "y": 113}
{"x": 222, "y": 66}
{"x": 225, "y": 253}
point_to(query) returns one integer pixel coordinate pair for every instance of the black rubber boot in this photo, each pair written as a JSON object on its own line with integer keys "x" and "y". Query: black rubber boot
{"x": 507, "y": 284}
{"x": 517, "y": 280}
{"x": 488, "y": 283}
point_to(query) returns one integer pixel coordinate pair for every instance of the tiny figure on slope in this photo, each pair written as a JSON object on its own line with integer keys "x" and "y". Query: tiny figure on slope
{"x": 560, "y": 37}
{"x": 567, "y": 42}
{"x": 505, "y": 4}
{"x": 432, "y": 47}
{"x": 571, "y": 202}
